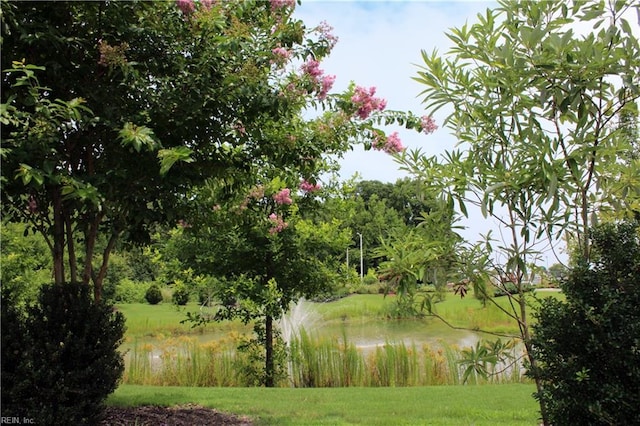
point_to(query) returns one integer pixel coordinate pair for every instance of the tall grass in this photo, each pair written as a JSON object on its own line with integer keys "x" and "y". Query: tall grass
{"x": 313, "y": 362}
{"x": 183, "y": 362}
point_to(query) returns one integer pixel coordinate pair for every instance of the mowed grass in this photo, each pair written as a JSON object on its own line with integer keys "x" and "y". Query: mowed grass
{"x": 465, "y": 312}
{"x": 510, "y": 404}
{"x": 165, "y": 320}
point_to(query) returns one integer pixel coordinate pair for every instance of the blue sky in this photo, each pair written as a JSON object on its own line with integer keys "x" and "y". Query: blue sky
{"x": 379, "y": 45}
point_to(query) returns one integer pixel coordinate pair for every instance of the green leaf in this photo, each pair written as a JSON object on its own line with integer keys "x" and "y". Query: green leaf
{"x": 138, "y": 137}
{"x": 168, "y": 157}
{"x": 28, "y": 174}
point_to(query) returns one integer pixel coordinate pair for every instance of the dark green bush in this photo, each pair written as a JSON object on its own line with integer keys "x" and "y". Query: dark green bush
{"x": 16, "y": 351}
{"x": 180, "y": 295}
{"x": 69, "y": 359}
{"x": 588, "y": 348}
{"x": 511, "y": 288}
{"x": 153, "y": 295}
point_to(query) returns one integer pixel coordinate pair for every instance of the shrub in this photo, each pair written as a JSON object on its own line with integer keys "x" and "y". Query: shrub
{"x": 180, "y": 294}
{"x": 69, "y": 359}
{"x": 153, "y": 295}
{"x": 511, "y": 288}
{"x": 587, "y": 347}
{"x": 128, "y": 291}
{"x": 16, "y": 346}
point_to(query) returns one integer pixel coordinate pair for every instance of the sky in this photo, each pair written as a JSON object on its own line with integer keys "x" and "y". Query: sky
{"x": 380, "y": 44}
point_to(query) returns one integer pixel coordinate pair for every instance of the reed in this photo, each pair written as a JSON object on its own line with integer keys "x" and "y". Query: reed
{"x": 313, "y": 362}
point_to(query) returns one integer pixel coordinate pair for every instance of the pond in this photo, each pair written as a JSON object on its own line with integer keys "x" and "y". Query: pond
{"x": 365, "y": 333}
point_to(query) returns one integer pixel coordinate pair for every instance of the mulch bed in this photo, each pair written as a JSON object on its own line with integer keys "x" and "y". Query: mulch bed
{"x": 183, "y": 415}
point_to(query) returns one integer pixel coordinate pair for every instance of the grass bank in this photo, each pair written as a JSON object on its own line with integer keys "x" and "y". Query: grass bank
{"x": 433, "y": 405}
{"x": 164, "y": 320}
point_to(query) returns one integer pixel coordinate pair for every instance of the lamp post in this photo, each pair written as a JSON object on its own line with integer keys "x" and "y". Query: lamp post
{"x": 347, "y": 258}
{"x": 361, "y": 263}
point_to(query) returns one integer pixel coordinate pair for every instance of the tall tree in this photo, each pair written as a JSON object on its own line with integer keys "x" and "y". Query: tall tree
{"x": 113, "y": 111}
{"x": 533, "y": 102}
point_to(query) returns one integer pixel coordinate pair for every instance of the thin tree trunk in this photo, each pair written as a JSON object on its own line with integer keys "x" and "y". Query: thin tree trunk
{"x": 58, "y": 236}
{"x": 269, "y": 367}
{"x": 97, "y": 283}
{"x": 71, "y": 249}
{"x": 526, "y": 338}
{"x": 90, "y": 237}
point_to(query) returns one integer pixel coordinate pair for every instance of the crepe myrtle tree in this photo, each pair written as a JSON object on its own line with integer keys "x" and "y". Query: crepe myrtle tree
{"x": 267, "y": 253}
{"x": 535, "y": 89}
{"x": 113, "y": 111}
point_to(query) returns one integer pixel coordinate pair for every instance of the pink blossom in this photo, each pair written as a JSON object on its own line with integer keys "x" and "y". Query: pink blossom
{"x": 326, "y": 34}
{"x": 239, "y": 127}
{"x": 278, "y": 224}
{"x": 183, "y": 223}
{"x": 279, "y": 4}
{"x": 307, "y": 186}
{"x": 257, "y": 192}
{"x": 327, "y": 83}
{"x": 428, "y": 124}
{"x": 312, "y": 68}
{"x": 207, "y": 4}
{"x": 186, "y": 6}
{"x": 283, "y": 197}
{"x": 366, "y": 102}
{"x": 391, "y": 145}
{"x": 281, "y": 55}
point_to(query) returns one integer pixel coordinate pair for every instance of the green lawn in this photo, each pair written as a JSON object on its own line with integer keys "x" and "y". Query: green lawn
{"x": 434, "y": 405}
{"x": 164, "y": 320}
{"x": 507, "y": 404}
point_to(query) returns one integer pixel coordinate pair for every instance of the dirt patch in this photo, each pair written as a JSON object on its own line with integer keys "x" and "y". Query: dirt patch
{"x": 183, "y": 415}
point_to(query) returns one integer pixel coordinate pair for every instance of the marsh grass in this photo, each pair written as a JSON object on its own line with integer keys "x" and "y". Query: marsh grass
{"x": 313, "y": 362}
{"x": 174, "y": 356}
{"x": 184, "y": 361}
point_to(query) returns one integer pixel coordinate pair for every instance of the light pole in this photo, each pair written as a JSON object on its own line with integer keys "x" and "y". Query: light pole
{"x": 361, "y": 263}
{"x": 347, "y": 258}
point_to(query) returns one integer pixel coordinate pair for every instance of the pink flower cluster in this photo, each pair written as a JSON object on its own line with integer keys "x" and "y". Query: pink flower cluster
{"x": 186, "y": 6}
{"x": 325, "y": 83}
{"x": 279, "y": 4}
{"x": 278, "y": 224}
{"x": 391, "y": 145}
{"x": 281, "y": 54}
{"x": 326, "y": 33}
{"x": 283, "y": 197}
{"x": 428, "y": 124}
{"x": 312, "y": 69}
{"x": 189, "y": 6}
{"x": 366, "y": 102}
{"x": 307, "y": 186}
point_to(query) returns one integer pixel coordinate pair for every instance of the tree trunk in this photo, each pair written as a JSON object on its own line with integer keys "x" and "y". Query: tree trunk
{"x": 526, "y": 339}
{"x": 58, "y": 235}
{"x": 97, "y": 282}
{"x": 269, "y": 367}
{"x": 71, "y": 249}
{"x": 90, "y": 236}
